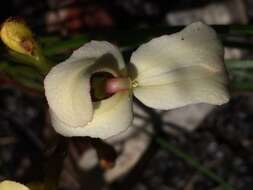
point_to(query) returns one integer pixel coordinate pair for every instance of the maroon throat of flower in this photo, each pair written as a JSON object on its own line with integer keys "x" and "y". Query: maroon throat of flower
{"x": 104, "y": 85}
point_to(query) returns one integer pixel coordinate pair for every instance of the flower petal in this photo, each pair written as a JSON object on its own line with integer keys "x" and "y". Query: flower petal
{"x": 205, "y": 90}
{"x": 12, "y": 185}
{"x": 67, "y": 85}
{"x": 196, "y": 45}
{"x": 112, "y": 116}
{"x": 96, "y": 49}
{"x": 67, "y": 88}
{"x": 179, "y": 69}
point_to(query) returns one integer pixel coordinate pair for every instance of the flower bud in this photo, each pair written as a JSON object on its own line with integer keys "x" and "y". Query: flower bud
{"x": 17, "y": 36}
{"x": 12, "y": 185}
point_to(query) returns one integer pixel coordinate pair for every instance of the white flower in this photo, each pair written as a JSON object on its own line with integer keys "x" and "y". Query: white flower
{"x": 168, "y": 72}
{"x": 12, "y": 185}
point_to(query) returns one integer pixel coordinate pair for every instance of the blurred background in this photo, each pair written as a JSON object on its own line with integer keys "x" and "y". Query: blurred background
{"x": 197, "y": 147}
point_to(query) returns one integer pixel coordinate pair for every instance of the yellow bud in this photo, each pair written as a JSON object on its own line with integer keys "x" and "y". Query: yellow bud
{"x": 17, "y": 36}
{"x": 12, "y": 185}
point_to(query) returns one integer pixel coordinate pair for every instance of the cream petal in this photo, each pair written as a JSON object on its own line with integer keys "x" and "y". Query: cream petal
{"x": 196, "y": 45}
{"x": 187, "y": 62}
{"x": 111, "y": 116}
{"x": 96, "y": 49}
{"x": 67, "y": 89}
{"x": 67, "y": 85}
{"x": 210, "y": 90}
{"x": 12, "y": 185}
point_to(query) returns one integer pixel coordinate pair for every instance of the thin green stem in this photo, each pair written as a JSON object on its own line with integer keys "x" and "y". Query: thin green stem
{"x": 131, "y": 38}
{"x": 41, "y": 63}
{"x": 61, "y": 45}
{"x": 241, "y": 29}
{"x": 239, "y": 64}
{"x": 243, "y": 74}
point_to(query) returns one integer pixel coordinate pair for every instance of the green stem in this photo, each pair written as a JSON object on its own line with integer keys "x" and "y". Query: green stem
{"x": 241, "y": 29}
{"x": 239, "y": 64}
{"x": 40, "y": 62}
{"x": 62, "y": 45}
{"x": 243, "y": 74}
{"x": 44, "y": 65}
{"x": 133, "y": 37}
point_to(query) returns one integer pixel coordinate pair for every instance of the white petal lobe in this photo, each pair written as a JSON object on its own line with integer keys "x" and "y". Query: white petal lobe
{"x": 178, "y": 94}
{"x": 180, "y": 69}
{"x": 67, "y": 89}
{"x": 112, "y": 116}
{"x": 96, "y": 49}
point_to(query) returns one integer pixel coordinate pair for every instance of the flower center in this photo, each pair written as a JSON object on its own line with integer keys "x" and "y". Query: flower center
{"x": 114, "y": 85}
{"x": 104, "y": 85}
